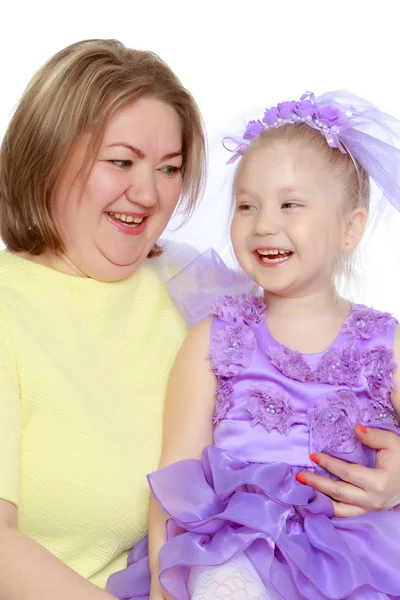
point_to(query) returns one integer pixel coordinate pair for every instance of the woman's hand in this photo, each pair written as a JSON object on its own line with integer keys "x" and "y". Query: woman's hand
{"x": 362, "y": 489}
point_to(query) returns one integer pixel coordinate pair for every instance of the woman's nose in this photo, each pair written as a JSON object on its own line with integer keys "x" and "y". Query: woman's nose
{"x": 143, "y": 190}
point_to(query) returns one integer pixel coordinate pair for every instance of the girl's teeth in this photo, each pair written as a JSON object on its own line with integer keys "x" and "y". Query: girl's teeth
{"x": 269, "y": 252}
{"x": 274, "y": 260}
{"x": 274, "y": 255}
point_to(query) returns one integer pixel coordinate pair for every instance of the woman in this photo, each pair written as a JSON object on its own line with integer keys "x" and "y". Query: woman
{"x": 103, "y": 145}
{"x": 101, "y": 148}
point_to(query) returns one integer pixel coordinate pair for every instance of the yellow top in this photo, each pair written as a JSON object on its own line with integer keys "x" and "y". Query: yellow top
{"x": 83, "y": 372}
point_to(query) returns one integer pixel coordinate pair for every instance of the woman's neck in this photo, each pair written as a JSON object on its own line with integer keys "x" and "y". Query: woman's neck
{"x": 58, "y": 262}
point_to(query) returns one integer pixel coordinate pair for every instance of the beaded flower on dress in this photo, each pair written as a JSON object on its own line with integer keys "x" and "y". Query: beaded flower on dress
{"x": 366, "y": 322}
{"x": 378, "y": 413}
{"x": 232, "y": 351}
{"x": 339, "y": 367}
{"x": 332, "y": 422}
{"x": 290, "y": 363}
{"x": 243, "y": 310}
{"x": 224, "y": 399}
{"x": 379, "y": 366}
{"x": 271, "y": 408}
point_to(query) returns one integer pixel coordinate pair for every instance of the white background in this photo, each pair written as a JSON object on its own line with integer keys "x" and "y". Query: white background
{"x": 232, "y": 56}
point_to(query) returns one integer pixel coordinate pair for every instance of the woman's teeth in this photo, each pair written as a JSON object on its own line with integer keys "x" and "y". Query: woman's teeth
{"x": 126, "y": 218}
{"x": 274, "y": 255}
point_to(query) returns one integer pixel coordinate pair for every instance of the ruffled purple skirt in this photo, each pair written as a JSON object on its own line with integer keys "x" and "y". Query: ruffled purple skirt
{"x": 221, "y": 506}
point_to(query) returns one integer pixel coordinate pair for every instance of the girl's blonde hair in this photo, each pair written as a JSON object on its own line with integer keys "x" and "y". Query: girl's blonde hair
{"x": 77, "y": 91}
{"x": 354, "y": 177}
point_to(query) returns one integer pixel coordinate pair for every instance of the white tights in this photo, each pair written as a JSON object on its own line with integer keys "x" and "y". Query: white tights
{"x": 237, "y": 579}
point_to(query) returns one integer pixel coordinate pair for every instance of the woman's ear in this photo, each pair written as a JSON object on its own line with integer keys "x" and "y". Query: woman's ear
{"x": 354, "y": 228}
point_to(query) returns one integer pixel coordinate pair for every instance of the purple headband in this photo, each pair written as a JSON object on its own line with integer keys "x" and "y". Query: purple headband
{"x": 348, "y": 123}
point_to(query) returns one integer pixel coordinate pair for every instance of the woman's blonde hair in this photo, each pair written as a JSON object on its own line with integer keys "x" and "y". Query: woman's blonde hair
{"x": 77, "y": 91}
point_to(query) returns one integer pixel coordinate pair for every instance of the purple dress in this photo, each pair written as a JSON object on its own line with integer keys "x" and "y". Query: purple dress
{"x": 274, "y": 407}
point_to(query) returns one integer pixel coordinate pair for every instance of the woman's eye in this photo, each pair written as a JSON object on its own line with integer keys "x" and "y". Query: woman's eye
{"x": 171, "y": 171}
{"x": 122, "y": 163}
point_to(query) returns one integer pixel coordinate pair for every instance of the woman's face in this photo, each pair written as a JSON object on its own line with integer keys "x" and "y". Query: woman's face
{"x": 110, "y": 218}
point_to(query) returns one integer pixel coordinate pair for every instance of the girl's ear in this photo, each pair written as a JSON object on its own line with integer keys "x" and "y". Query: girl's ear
{"x": 354, "y": 228}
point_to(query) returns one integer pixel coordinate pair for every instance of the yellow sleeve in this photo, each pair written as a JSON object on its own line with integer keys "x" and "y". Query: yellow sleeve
{"x": 10, "y": 419}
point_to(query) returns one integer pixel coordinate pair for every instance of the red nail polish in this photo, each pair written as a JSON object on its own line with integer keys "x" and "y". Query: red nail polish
{"x": 315, "y": 458}
{"x": 300, "y": 477}
{"x": 362, "y": 428}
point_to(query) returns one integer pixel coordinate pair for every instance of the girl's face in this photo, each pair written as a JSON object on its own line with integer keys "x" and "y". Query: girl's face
{"x": 286, "y": 230}
{"x": 110, "y": 218}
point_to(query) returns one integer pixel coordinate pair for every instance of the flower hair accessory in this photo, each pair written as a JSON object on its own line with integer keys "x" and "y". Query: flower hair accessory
{"x": 370, "y": 136}
{"x": 329, "y": 119}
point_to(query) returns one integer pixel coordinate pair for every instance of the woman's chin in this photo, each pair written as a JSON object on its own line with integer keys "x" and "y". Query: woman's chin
{"x": 113, "y": 267}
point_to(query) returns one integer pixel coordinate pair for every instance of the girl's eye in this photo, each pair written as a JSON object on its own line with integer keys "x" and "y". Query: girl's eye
{"x": 290, "y": 205}
{"x": 122, "y": 163}
{"x": 245, "y": 207}
{"x": 171, "y": 171}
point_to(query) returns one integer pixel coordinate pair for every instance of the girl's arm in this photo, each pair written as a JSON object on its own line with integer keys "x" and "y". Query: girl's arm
{"x": 29, "y": 572}
{"x": 362, "y": 489}
{"x": 188, "y": 414}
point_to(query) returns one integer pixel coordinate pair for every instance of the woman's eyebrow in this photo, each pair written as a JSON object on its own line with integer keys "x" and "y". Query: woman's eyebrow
{"x": 141, "y": 154}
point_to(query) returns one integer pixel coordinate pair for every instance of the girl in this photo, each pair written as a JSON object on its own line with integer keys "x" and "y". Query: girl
{"x": 260, "y": 389}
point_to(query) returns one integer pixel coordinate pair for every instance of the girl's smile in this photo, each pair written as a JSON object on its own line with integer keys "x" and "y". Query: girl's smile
{"x": 272, "y": 257}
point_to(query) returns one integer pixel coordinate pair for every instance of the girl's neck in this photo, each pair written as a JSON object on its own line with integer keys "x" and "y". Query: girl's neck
{"x": 308, "y": 324}
{"x": 315, "y": 304}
